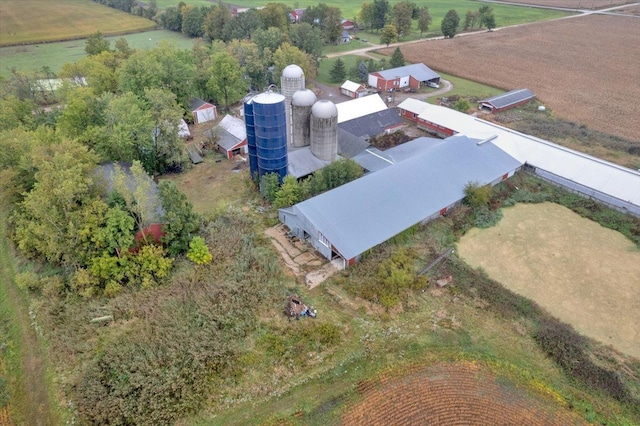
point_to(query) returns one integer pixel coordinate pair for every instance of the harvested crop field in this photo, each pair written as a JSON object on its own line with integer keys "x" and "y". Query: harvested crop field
{"x": 580, "y": 272}
{"x": 573, "y": 4}
{"x": 36, "y": 21}
{"x": 580, "y": 67}
{"x": 453, "y": 394}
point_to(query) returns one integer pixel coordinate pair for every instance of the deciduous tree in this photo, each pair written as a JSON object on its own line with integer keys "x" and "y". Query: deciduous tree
{"x": 275, "y": 15}
{"x": 381, "y": 9}
{"x": 307, "y": 38}
{"x": 288, "y": 54}
{"x": 96, "y": 44}
{"x": 367, "y": 15}
{"x": 389, "y": 34}
{"x": 449, "y": 25}
{"x": 402, "y": 13}
{"x": 226, "y": 80}
{"x": 180, "y": 222}
{"x": 424, "y": 19}
{"x": 216, "y": 23}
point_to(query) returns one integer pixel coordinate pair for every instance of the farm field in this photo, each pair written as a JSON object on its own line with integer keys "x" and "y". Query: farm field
{"x": 452, "y": 393}
{"x": 33, "y": 21}
{"x": 573, "y": 4}
{"x": 579, "y": 271}
{"x": 569, "y": 64}
{"x": 55, "y": 55}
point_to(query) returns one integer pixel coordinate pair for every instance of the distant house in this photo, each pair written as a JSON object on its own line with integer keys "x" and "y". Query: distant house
{"x": 507, "y": 100}
{"x": 353, "y": 89}
{"x": 202, "y": 111}
{"x": 346, "y": 37}
{"x": 296, "y": 15}
{"x": 348, "y": 24}
{"x": 409, "y": 75}
{"x": 232, "y": 136}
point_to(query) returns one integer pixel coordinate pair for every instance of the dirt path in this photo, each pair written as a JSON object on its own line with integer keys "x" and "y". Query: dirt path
{"x": 31, "y": 403}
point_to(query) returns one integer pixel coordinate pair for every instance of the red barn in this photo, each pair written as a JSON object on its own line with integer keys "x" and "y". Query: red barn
{"x": 413, "y": 75}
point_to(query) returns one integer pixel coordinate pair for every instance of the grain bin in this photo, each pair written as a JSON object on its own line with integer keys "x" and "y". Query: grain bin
{"x": 251, "y": 135}
{"x": 291, "y": 81}
{"x": 271, "y": 133}
{"x": 324, "y": 130}
{"x": 301, "y": 104}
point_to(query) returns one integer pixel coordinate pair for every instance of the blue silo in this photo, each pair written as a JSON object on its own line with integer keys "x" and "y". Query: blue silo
{"x": 270, "y": 133}
{"x": 251, "y": 135}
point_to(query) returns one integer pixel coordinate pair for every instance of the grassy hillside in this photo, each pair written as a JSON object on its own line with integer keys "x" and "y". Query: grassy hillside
{"x": 23, "y": 22}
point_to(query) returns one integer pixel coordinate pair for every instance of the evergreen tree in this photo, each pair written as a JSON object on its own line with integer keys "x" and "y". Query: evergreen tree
{"x": 397, "y": 59}
{"x": 363, "y": 71}
{"x": 338, "y": 72}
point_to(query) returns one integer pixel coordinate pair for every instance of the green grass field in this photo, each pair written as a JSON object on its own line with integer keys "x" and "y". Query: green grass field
{"x": 55, "y": 55}
{"x": 505, "y": 15}
{"x": 33, "y": 21}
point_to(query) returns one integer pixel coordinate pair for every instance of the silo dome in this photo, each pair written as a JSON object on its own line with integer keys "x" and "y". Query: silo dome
{"x": 324, "y": 130}
{"x": 324, "y": 109}
{"x": 304, "y": 97}
{"x": 301, "y": 103}
{"x": 292, "y": 71}
{"x": 291, "y": 81}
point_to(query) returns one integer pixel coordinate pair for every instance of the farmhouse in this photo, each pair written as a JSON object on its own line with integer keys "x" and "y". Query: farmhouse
{"x": 355, "y": 217}
{"x": 506, "y": 100}
{"x": 359, "y": 107}
{"x": 346, "y": 37}
{"x": 375, "y": 124}
{"x": 202, "y": 111}
{"x": 435, "y": 120}
{"x": 353, "y": 89}
{"x": 408, "y": 76}
{"x": 232, "y": 136}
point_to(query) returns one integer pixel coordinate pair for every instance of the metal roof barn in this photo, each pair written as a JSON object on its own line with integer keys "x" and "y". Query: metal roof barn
{"x": 507, "y": 100}
{"x": 375, "y": 124}
{"x": 358, "y": 216}
{"x": 420, "y": 72}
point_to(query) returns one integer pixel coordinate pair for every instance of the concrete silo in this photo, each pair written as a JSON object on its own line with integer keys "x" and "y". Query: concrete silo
{"x": 301, "y": 104}
{"x": 291, "y": 81}
{"x": 324, "y": 130}
{"x": 271, "y": 133}
{"x": 251, "y": 135}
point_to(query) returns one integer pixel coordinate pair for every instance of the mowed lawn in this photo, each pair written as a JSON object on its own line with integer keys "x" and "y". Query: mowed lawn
{"x": 580, "y": 272}
{"x": 36, "y": 21}
{"x": 54, "y": 55}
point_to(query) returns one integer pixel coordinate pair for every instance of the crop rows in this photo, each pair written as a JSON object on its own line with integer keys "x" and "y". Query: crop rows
{"x": 451, "y": 394}
{"x": 579, "y": 67}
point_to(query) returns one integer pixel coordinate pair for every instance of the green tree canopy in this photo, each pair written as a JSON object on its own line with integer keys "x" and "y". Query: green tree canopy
{"x": 402, "y": 14}
{"x": 397, "y": 59}
{"x": 380, "y": 11}
{"x": 338, "y": 71}
{"x": 424, "y": 19}
{"x": 307, "y": 38}
{"x": 389, "y": 34}
{"x": 449, "y": 25}
{"x": 275, "y": 15}
{"x": 96, "y": 44}
{"x": 226, "y": 80}
{"x": 288, "y": 54}
{"x": 180, "y": 221}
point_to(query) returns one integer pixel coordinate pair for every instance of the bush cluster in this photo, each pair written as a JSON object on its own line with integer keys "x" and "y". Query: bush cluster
{"x": 570, "y": 351}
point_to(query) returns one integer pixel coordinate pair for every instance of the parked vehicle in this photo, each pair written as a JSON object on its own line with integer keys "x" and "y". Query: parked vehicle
{"x": 410, "y": 90}
{"x": 433, "y": 85}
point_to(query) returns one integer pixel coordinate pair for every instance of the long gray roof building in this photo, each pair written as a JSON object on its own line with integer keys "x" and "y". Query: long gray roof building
{"x": 359, "y": 215}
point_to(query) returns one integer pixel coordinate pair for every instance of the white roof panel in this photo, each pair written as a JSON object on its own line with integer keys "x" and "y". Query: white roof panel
{"x": 357, "y": 108}
{"x": 351, "y": 86}
{"x": 235, "y": 126}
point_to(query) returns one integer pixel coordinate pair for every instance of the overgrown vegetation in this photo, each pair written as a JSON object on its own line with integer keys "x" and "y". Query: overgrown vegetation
{"x": 577, "y": 356}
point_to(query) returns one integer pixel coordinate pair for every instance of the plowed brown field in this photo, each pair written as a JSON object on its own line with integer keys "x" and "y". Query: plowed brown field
{"x": 584, "y": 68}
{"x": 453, "y": 394}
{"x": 573, "y": 4}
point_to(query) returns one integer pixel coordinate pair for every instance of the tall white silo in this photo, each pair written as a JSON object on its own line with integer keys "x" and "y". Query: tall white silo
{"x": 324, "y": 130}
{"x": 291, "y": 81}
{"x": 301, "y": 104}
